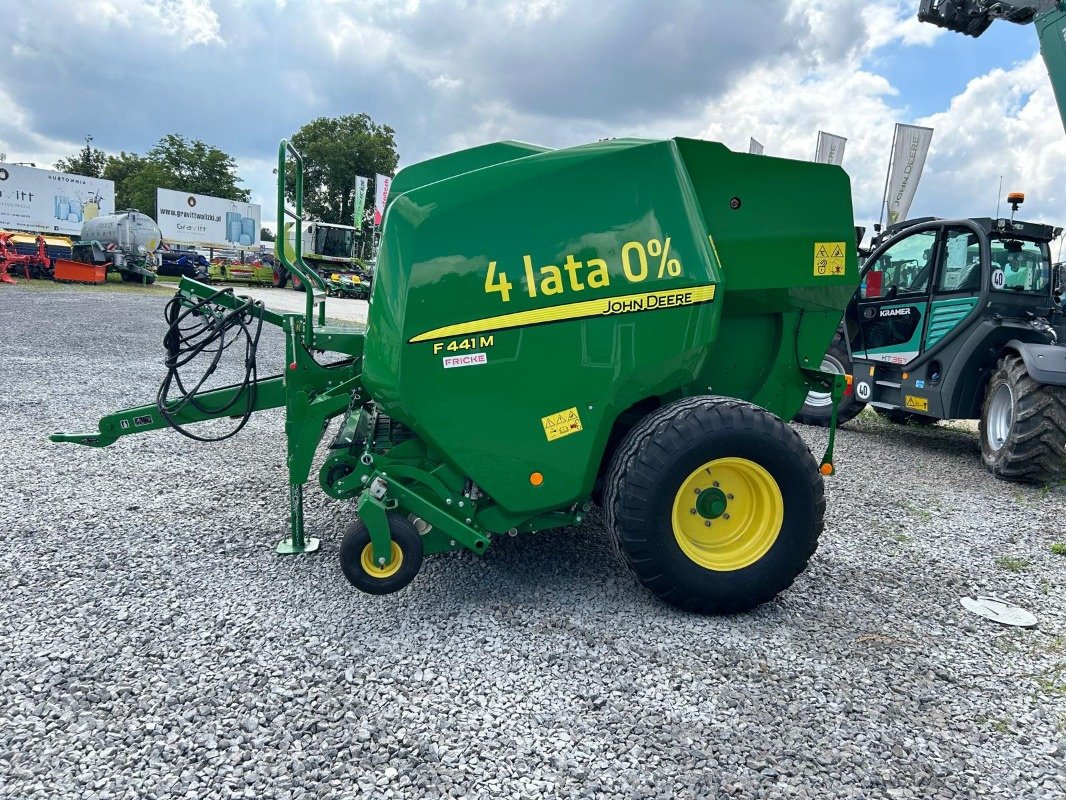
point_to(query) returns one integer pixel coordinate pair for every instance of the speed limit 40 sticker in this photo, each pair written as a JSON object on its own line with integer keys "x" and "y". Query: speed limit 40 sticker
{"x": 999, "y": 280}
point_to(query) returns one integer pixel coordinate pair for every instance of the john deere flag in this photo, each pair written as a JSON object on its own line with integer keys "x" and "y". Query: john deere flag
{"x": 381, "y": 194}
{"x": 830, "y": 148}
{"x": 909, "y": 148}
{"x": 755, "y": 147}
{"x": 359, "y": 206}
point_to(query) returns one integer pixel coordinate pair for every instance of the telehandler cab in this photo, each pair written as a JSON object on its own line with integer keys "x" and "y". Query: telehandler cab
{"x": 959, "y": 319}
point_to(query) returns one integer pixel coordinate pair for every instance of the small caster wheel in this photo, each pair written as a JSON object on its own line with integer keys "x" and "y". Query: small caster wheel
{"x": 357, "y": 557}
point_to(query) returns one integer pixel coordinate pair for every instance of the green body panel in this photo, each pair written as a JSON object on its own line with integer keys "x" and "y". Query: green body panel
{"x": 778, "y": 316}
{"x": 434, "y": 169}
{"x": 1051, "y": 28}
{"x": 945, "y": 315}
{"x": 562, "y": 348}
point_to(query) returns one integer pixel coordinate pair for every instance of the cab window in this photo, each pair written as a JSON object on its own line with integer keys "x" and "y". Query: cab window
{"x": 1020, "y": 266}
{"x": 902, "y": 269}
{"x": 961, "y": 265}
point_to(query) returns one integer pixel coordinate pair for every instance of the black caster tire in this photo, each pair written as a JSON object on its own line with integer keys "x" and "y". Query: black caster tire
{"x": 357, "y": 564}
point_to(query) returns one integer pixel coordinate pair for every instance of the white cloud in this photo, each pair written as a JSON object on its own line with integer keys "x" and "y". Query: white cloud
{"x": 1004, "y": 123}
{"x": 188, "y": 22}
{"x": 554, "y": 72}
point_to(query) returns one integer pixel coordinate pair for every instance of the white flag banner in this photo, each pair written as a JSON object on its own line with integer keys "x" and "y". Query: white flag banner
{"x": 830, "y": 149}
{"x": 359, "y": 205}
{"x": 381, "y": 194}
{"x": 911, "y": 146}
{"x": 755, "y": 147}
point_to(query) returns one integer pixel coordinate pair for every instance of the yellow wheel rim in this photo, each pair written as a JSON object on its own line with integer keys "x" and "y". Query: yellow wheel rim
{"x": 727, "y": 514}
{"x": 366, "y": 561}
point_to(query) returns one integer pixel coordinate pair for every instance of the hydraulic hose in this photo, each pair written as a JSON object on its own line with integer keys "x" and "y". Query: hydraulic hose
{"x": 198, "y": 327}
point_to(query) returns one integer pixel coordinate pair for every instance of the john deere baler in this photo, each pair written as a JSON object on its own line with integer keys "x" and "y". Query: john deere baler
{"x": 625, "y": 322}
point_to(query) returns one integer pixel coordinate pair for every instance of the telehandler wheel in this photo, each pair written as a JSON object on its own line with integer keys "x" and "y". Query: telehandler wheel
{"x": 357, "y": 561}
{"x": 898, "y": 417}
{"x": 818, "y": 407}
{"x": 715, "y": 504}
{"x": 280, "y": 279}
{"x": 1023, "y": 425}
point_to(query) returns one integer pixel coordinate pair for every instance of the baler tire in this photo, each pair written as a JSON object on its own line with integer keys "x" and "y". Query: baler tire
{"x": 850, "y": 405}
{"x": 658, "y": 459}
{"x": 407, "y": 546}
{"x": 1034, "y": 449}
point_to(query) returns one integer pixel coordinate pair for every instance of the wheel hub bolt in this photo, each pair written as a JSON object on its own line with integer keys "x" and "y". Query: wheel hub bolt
{"x": 725, "y": 516}
{"x": 692, "y": 511}
{"x": 715, "y": 484}
{"x": 730, "y": 496}
{"x": 707, "y": 523}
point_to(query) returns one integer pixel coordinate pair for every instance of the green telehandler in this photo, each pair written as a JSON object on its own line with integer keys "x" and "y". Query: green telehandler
{"x": 624, "y": 321}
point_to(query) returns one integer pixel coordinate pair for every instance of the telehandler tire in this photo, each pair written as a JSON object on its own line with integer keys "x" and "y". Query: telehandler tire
{"x": 357, "y": 557}
{"x": 715, "y": 504}
{"x": 818, "y": 407}
{"x": 280, "y": 279}
{"x": 1023, "y": 425}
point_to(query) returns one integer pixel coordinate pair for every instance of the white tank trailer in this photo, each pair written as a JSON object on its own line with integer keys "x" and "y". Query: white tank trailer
{"x": 128, "y": 239}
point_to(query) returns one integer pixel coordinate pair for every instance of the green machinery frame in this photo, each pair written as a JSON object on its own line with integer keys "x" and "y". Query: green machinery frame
{"x": 313, "y": 394}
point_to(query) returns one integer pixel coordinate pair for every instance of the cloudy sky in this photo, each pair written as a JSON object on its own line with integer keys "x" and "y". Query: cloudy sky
{"x": 241, "y": 74}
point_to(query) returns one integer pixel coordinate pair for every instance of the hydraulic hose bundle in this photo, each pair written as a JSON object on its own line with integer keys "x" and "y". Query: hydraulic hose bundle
{"x": 202, "y": 327}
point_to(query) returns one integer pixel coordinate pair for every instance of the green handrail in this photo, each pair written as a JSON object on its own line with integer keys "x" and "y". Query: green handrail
{"x": 308, "y": 276}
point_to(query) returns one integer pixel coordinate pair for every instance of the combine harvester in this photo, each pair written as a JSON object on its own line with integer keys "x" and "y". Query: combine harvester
{"x": 328, "y": 250}
{"x": 639, "y": 344}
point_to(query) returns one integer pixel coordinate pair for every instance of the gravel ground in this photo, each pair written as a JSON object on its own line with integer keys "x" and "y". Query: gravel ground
{"x": 286, "y": 300}
{"x": 152, "y": 645}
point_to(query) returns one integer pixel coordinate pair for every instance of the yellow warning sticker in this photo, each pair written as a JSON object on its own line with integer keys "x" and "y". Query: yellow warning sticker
{"x": 917, "y": 403}
{"x": 561, "y": 424}
{"x": 829, "y": 258}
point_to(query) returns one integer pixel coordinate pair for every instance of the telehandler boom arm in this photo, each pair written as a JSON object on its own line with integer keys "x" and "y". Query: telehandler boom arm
{"x": 973, "y": 17}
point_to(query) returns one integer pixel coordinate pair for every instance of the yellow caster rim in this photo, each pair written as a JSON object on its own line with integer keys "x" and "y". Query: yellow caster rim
{"x": 727, "y": 514}
{"x": 366, "y": 561}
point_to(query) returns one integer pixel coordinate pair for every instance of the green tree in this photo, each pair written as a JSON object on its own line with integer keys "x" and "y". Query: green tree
{"x": 197, "y": 168}
{"x": 89, "y": 161}
{"x": 122, "y": 169}
{"x": 335, "y": 151}
{"x": 174, "y": 163}
{"x": 266, "y": 235}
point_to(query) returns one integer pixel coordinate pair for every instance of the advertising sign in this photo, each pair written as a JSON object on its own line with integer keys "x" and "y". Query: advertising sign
{"x": 830, "y": 149}
{"x": 53, "y": 202}
{"x": 199, "y": 219}
{"x": 381, "y": 195}
{"x": 359, "y": 206}
{"x": 909, "y": 149}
